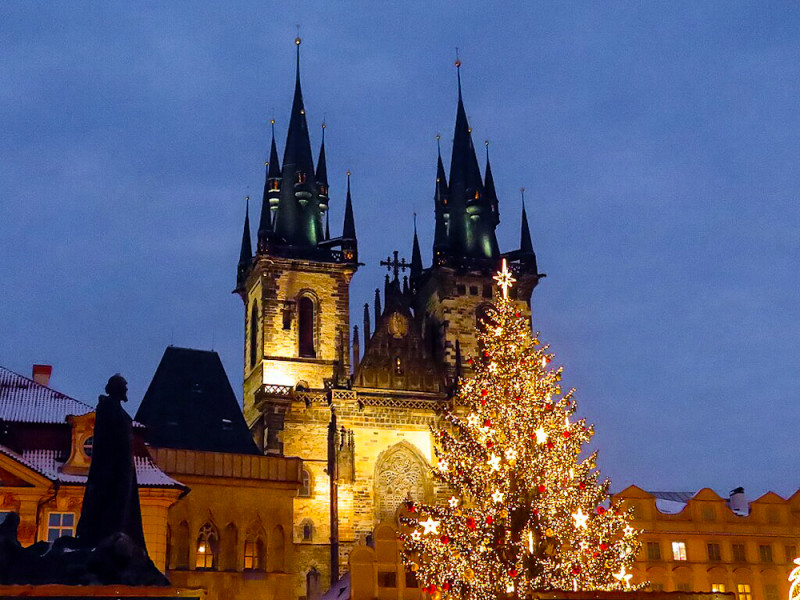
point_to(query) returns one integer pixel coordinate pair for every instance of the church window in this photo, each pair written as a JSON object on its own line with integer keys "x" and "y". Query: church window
{"x": 59, "y": 524}
{"x": 718, "y": 587}
{"x": 254, "y": 554}
{"x": 253, "y": 334}
{"x": 305, "y": 484}
{"x": 399, "y": 476}
{"x": 305, "y": 327}
{"x": 207, "y": 548}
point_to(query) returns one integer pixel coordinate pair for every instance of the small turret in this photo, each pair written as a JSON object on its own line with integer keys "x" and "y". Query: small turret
{"x": 489, "y": 191}
{"x": 367, "y": 325}
{"x": 349, "y": 242}
{"x": 378, "y": 311}
{"x": 246, "y": 252}
{"x": 416, "y": 256}
{"x": 272, "y": 190}
{"x": 322, "y": 175}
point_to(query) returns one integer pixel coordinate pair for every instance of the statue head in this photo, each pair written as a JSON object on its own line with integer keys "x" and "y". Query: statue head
{"x": 117, "y": 387}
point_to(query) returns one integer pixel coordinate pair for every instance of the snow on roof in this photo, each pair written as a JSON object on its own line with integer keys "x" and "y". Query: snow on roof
{"x": 22, "y": 400}
{"x": 46, "y": 462}
{"x": 340, "y": 590}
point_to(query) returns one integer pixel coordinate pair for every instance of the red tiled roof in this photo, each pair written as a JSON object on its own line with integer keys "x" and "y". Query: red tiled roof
{"x": 22, "y": 400}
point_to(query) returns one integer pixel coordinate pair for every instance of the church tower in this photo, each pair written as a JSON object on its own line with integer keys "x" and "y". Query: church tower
{"x": 295, "y": 288}
{"x": 452, "y": 294}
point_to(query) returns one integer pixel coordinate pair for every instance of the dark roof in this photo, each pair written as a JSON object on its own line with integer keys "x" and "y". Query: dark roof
{"x": 190, "y": 404}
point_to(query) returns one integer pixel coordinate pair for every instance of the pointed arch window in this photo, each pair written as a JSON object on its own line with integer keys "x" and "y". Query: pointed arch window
{"x": 253, "y": 334}
{"x": 207, "y": 549}
{"x": 306, "y": 313}
{"x": 254, "y": 555}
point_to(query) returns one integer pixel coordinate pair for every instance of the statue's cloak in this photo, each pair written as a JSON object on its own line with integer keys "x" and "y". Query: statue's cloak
{"x": 111, "y": 500}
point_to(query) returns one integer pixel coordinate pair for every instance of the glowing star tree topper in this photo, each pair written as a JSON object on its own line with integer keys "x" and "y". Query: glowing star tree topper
{"x": 528, "y": 512}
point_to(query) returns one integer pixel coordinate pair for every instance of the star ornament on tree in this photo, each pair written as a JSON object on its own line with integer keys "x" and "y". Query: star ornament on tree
{"x": 504, "y": 279}
{"x": 431, "y": 526}
{"x": 453, "y": 502}
{"x": 497, "y": 496}
{"x": 581, "y": 519}
{"x": 494, "y": 462}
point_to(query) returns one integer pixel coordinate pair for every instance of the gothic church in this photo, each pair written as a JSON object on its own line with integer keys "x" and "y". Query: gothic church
{"x": 356, "y": 404}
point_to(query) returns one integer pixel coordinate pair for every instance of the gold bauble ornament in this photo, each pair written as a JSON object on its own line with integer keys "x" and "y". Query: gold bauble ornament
{"x": 457, "y": 512}
{"x": 437, "y": 595}
{"x": 549, "y": 532}
{"x": 504, "y": 514}
{"x": 469, "y": 574}
{"x": 414, "y": 567}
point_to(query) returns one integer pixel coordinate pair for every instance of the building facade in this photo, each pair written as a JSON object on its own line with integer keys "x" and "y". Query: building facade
{"x": 357, "y": 407}
{"x": 703, "y": 542}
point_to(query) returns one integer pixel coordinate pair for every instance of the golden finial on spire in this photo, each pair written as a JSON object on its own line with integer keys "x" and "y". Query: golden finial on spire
{"x": 297, "y": 40}
{"x": 458, "y": 60}
{"x": 272, "y": 121}
{"x": 348, "y": 173}
{"x": 486, "y": 143}
{"x": 438, "y": 136}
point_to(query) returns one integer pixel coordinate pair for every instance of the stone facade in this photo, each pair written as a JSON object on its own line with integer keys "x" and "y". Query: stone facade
{"x": 702, "y": 545}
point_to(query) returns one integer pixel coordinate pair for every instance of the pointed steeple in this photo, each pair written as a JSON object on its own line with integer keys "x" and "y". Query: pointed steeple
{"x": 440, "y": 193}
{"x": 470, "y": 227}
{"x": 488, "y": 186}
{"x": 246, "y": 252}
{"x": 416, "y": 255}
{"x": 378, "y": 311}
{"x": 299, "y": 217}
{"x": 272, "y": 186}
{"x": 525, "y": 244}
{"x": 349, "y": 242}
{"x": 441, "y": 208}
{"x": 367, "y": 325}
{"x": 322, "y": 167}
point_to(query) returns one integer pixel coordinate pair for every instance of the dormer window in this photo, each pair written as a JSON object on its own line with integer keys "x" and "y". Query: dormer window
{"x": 88, "y": 446}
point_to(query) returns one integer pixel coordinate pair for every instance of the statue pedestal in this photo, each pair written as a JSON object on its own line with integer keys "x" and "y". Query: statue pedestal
{"x": 78, "y": 592}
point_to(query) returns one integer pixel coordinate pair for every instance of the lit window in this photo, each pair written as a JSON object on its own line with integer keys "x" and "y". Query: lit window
{"x": 738, "y": 553}
{"x": 714, "y": 552}
{"x": 253, "y": 554}
{"x": 653, "y": 551}
{"x": 88, "y": 446}
{"x": 743, "y": 591}
{"x": 765, "y": 553}
{"x": 718, "y": 587}
{"x": 59, "y": 524}
{"x": 678, "y": 551}
{"x": 207, "y": 548}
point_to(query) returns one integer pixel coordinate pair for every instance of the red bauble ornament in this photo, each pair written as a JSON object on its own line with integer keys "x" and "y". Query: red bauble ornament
{"x": 603, "y": 546}
{"x": 517, "y": 314}
{"x": 445, "y": 539}
{"x": 566, "y": 434}
{"x": 471, "y": 523}
{"x": 490, "y": 444}
{"x": 513, "y": 573}
{"x": 484, "y": 392}
{"x": 550, "y": 445}
{"x": 489, "y": 520}
{"x": 582, "y": 485}
{"x": 600, "y": 510}
{"x": 595, "y": 554}
{"x": 446, "y": 586}
{"x": 487, "y": 423}
{"x": 576, "y": 570}
{"x": 542, "y": 489}
{"x": 548, "y": 407}
{"x": 486, "y": 355}
{"x": 483, "y": 401}
{"x": 469, "y": 361}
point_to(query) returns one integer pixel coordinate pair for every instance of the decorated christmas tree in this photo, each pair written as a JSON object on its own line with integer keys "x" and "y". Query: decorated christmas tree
{"x": 528, "y": 512}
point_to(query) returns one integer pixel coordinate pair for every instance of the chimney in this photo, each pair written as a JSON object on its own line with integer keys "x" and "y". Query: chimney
{"x": 41, "y": 374}
{"x": 738, "y": 503}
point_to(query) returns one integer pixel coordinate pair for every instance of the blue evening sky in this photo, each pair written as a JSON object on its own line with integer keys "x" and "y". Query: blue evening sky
{"x": 659, "y": 144}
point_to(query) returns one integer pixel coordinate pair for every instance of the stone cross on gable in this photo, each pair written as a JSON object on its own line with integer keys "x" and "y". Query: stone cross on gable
{"x": 395, "y": 265}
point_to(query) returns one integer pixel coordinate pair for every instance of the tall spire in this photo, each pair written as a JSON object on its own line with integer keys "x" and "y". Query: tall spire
{"x": 246, "y": 252}
{"x": 440, "y": 241}
{"x": 525, "y": 244}
{"x": 322, "y": 168}
{"x": 269, "y": 202}
{"x": 468, "y": 235}
{"x": 349, "y": 228}
{"x": 299, "y": 219}
{"x": 416, "y": 255}
{"x": 488, "y": 186}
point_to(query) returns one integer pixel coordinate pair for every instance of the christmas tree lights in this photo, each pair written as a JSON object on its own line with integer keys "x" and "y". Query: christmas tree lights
{"x": 528, "y": 512}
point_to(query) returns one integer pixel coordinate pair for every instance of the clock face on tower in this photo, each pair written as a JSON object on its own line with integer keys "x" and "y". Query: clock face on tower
{"x": 398, "y": 325}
